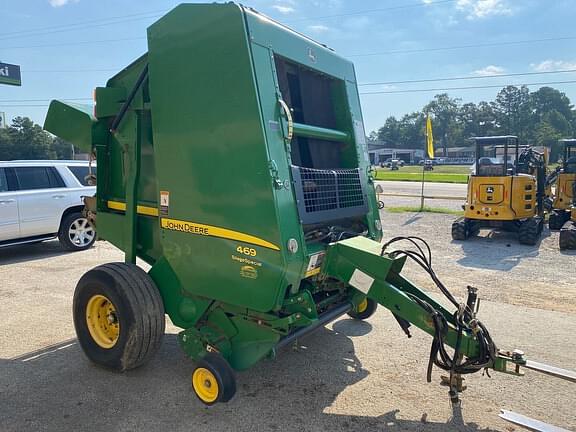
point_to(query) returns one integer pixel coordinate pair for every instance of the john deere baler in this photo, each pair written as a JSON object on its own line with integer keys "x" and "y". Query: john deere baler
{"x": 232, "y": 159}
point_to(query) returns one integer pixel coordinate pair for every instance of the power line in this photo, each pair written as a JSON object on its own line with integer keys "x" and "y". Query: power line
{"x": 455, "y": 47}
{"x": 24, "y": 106}
{"x": 406, "y": 51}
{"x": 42, "y": 100}
{"x": 466, "y": 88}
{"x": 69, "y": 70}
{"x": 82, "y": 25}
{"x": 366, "y": 84}
{"x": 74, "y": 43}
{"x": 364, "y": 93}
{"x": 388, "y": 9}
{"x": 101, "y": 22}
{"x": 465, "y": 78}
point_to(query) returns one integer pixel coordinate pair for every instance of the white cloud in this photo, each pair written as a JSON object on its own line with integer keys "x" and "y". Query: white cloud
{"x": 284, "y": 9}
{"x": 318, "y": 28}
{"x": 490, "y": 71}
{"x": 553, "y": 65}
{"x": 60, "y": 3}
{"x": 476, "y": 9}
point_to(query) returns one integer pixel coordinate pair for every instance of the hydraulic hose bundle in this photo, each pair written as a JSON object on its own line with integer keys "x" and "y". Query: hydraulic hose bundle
{"x": 464, "y": 319}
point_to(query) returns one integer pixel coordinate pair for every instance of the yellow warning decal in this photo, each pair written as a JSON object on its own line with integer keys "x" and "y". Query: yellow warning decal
{"x": 143, "y": 210}
{"x": 312, "y": 272}
{"x": 212, "y": 231}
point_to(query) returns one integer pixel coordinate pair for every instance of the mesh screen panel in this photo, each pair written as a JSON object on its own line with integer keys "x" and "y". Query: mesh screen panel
{"x": 328, "y": 194}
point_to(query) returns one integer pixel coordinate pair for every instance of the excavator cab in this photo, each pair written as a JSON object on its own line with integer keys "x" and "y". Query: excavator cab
{"x": 569, "y": 156}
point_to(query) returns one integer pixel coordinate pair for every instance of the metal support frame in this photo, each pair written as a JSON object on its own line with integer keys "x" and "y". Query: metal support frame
{"x": 132, "y": 193}
{"x": 133, "y": 174}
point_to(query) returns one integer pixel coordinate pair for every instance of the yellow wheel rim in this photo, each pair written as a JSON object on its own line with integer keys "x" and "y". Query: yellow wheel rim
{"x": 102, "y": 321}
{"x": 205, "y": 385}
{"x": 362, "y": 306}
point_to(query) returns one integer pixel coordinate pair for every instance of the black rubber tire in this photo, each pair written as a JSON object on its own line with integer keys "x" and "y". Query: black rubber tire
{"x": 568, "y": 236}
{"x": 64, "y": 238}
{"x": 224, "y": 375}
{"x": 380, "y": 205}
{"x": 460, "y": 229}
{"x": 540, "y": 226}
{"x": 473, "y": 228}
{"x": 366, "y": 313}
{"x": 557, "y": 219}
{"x": 530, "y": 230}
{"x": 140, "y": 313}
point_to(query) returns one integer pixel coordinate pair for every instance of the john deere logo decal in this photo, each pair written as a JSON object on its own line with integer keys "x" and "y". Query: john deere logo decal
{"x": 248, "y": 272}
{"x": 311, "y": 55}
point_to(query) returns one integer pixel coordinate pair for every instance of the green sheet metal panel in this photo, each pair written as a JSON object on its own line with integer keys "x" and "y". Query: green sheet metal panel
{"x": 211, "y": 157}
{"x": 297, "y": 47}
{"x": 71, "y": 122}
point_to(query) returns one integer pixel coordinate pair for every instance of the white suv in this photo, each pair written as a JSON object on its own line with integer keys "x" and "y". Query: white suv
{"x": 42, "y": 200}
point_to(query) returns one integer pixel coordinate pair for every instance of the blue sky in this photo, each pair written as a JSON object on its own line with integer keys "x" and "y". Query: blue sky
{"x": 65, "y": 47}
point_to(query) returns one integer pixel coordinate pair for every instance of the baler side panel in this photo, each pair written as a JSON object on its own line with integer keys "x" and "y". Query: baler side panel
{"x": 210, "y": 150}
{"x": 278, "y": 153}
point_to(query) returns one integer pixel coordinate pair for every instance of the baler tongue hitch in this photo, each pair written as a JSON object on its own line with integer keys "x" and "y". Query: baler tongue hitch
{"x": 370, "y": 268}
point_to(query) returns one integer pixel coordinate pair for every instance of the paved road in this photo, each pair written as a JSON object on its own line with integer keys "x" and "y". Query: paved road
{"x": 452, "y": 190}
{"x": 430, "y": 189}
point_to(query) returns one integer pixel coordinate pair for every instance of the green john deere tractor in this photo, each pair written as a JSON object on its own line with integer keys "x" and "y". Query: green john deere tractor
{"x": 232, "y": 160}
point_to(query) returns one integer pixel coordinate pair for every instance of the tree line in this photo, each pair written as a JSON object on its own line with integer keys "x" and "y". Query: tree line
{"x": 24, "y": 139}
{"x": 538, "y": 118}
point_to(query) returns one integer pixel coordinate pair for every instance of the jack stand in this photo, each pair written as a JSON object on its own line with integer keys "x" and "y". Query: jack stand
{"x": 456, "y": 384}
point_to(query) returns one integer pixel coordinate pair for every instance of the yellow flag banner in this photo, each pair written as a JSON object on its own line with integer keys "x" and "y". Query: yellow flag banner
{"x": 429, "y": 138}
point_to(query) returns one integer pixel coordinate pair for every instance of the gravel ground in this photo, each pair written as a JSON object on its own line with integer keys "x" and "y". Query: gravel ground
{"x": 505, "y": 271}
{"x": 350, "y": 376}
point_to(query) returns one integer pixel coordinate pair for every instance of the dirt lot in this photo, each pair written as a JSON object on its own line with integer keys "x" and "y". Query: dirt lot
{"x": 351, "y": 376}
{"x": 504, "y": 271}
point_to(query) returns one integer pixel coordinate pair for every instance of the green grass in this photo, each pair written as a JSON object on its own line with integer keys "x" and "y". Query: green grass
{"x": 426, "y": 209}
{"x": 438, "y": 169}
{"x": 441, "y": 174}
{"x": 416, "y": 177}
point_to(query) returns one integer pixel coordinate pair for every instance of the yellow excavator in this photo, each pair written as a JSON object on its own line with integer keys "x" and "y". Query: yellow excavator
{"x": 568, "y": 230}
{"x": 564, "y": 179}
{"x": 505, "y": 191}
